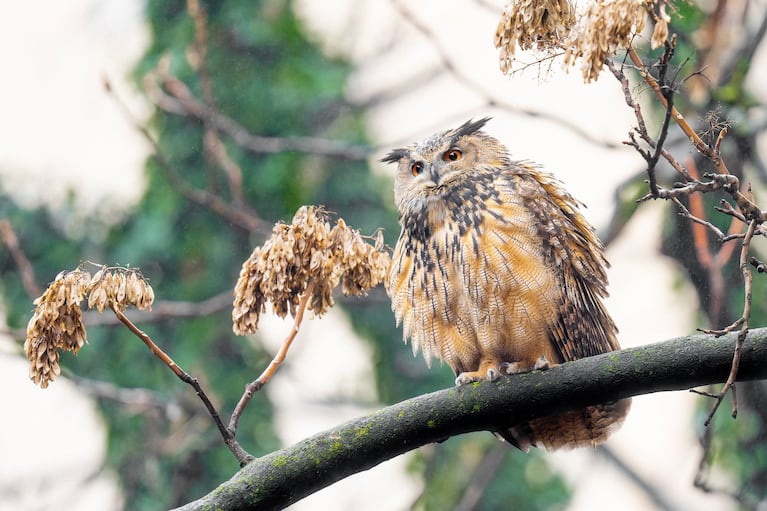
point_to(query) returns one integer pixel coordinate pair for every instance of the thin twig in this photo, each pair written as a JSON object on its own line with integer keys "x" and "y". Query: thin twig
{"x": 747, "y": 211}
{"x": 165, "y": 310}
{"x": 641, "y": 129}
{"x": 27, "y": 271}
{"x": 136, "y": 398}
{"x": 727, "y": 209}
{"x": 653, "y": 160}
{"x": 685, "y": 213}
{"x": 741, "y": 323}
{"x": 668, "y": 94}
{"x": 700, "y": 479}
{"x": 257, "y": 384}
{"x": 242, "y": 456}
{"x": 704, "y": 393}
{"x": 212, "y": 141}
{"x": 679, "y": 119}
{"x": 654, "y": 492}
{"x": 681, "y": 170}
{"x": 482, "y": 475}
{"x": 630, "y": 101}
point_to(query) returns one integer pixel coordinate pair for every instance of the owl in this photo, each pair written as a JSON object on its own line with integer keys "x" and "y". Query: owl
{"x": 496, "y": 272}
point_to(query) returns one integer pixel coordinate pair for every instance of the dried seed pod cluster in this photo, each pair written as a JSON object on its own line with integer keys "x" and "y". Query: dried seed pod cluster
{"x": 57, "y": 323}
{"x": 532, "y": 24}
{"x": 121, "y": 288}
{"x": 660, "y": 32}
{"x": 306, "y": 252}
{"x": 605, "y": 26}
{"x": 591, "y": 36}
{"x": 364, "y": 266}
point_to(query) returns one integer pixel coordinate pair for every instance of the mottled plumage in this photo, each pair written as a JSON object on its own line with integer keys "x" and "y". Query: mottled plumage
{"x": 496, "y": 271}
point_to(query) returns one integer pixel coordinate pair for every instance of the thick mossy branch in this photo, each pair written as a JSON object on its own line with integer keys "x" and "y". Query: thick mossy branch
{"x": 283, "y": 477}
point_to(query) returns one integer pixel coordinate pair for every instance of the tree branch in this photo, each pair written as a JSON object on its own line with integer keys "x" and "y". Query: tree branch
{"x": 286, "y": 476}
{"x": 164, "y": 310}
{"x": 181, "y": 101}
{"x": 26, "y": 270}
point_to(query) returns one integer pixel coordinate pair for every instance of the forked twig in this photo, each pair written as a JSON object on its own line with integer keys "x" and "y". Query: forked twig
{"x": 747, "y": 211}
{"x": 242, "y": 456}
{"x": 257, "y": 384}
{"x": 741, "y": 323}
{"x": 679, "y": 119}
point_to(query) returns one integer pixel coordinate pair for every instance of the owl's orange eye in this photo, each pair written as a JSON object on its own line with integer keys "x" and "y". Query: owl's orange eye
{"x": 416, "y": 168}
{"x": 452, "y": 155}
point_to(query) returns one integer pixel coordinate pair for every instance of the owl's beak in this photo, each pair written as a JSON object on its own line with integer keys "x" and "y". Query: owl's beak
{"x": 434, "y": 174}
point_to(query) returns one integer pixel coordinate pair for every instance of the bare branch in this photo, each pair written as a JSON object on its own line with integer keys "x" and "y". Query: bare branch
{"x": 630, "y": 101}
{"x": 701, "y": 481}
{"x": 679, "y": 119}
{"x": 140, "y": 398}
{"x": 257, "y": 384}
{"x": 286, "y": 476}
{"x": 166, "y": 310}
{"x": 27, "y": 271}
{"x": 742, "y": 322}
{"x": 483, "y": 475}
{"x": 240, "y": 216}
{"x": 658, "y": 498}
{"x": 181, "y": 101}
{"x": 213, "y": 145}
{"x": 242, "y": 456}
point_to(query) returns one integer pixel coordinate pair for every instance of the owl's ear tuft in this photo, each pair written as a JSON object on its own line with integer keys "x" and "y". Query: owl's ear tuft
{"x": 470, "y": 127}
{"x": 394, "y": 156}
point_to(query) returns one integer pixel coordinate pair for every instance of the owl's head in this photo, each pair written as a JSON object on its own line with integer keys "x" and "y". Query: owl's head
{"x": 431, "y": 168}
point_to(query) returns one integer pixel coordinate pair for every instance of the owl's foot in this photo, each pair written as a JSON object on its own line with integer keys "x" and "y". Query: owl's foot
{"x": 520, "y": 367}
{"x": 541, "y": 364}
{"x": 488, "y": 370}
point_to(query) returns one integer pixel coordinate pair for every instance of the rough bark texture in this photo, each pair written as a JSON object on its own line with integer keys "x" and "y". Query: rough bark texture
{"x": 283, "y": 477}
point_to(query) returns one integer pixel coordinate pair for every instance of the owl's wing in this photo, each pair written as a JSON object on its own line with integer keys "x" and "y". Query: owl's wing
{"x": 583, "y": 327}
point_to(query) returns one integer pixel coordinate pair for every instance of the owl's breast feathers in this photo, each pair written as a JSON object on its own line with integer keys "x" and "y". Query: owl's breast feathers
{"x": 500, "y": 264}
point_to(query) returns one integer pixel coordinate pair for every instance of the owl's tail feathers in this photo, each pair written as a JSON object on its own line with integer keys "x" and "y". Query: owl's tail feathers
{"x": 577, "y": 428}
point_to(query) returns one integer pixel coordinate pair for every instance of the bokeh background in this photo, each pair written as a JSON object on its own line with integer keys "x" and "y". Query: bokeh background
{"x": 123, "y": 174}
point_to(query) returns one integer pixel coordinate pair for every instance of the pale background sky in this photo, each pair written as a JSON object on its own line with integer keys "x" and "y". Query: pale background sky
{"x": 61, "y": 131}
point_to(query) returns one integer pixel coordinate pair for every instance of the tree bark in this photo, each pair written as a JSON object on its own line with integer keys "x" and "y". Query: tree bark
{"x": 281, "y": 478}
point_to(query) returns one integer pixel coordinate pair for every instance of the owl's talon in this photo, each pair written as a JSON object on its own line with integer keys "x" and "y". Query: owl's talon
{"x": 514, "y": 368}
{"x": 487, "y": 371}
{"x": 465, "y": 379}
{"x": 541, "y": 364}
{"x": 519, "y": 367}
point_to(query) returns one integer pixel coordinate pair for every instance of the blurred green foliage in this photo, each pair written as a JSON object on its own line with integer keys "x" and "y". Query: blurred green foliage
{"x": 269, "y": 77}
